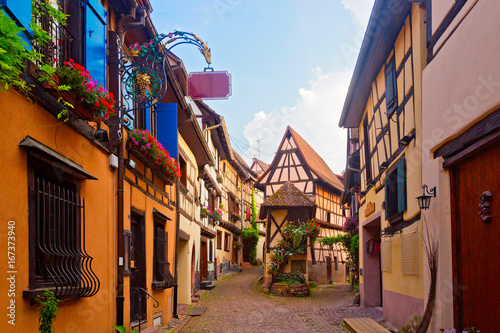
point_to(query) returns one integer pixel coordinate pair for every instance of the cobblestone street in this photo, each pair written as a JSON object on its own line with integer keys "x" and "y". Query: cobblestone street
{"x": 236, "y": 305}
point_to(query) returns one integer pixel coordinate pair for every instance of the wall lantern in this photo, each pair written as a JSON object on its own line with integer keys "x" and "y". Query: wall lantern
{"x": 405, "y": 140}
{"x": 424, "y": 201}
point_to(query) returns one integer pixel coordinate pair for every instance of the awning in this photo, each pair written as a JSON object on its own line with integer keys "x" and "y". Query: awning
{"x": 54, "y": 158}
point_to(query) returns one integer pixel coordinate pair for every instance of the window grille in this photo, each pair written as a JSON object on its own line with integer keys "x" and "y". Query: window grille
{"x": 161, "y": 266}
{"x": 57, "y": 221}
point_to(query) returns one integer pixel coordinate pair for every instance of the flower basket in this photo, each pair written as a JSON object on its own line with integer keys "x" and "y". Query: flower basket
{"x": 235, "y": 217}
{"x": 205, "y": 212}
{"x": 216, "y": 216}
{"x": 151, "y": 153}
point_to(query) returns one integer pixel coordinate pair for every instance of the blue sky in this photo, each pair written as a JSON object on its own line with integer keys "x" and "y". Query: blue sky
{"x": 290, "y": 61}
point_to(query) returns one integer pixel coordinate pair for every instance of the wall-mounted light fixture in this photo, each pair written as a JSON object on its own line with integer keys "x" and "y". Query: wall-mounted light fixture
{"x": 101, "y": 135}
{"x": 405, "y": 140}
{"x": 424, "y": 201}
{"x": 130, "y": 163}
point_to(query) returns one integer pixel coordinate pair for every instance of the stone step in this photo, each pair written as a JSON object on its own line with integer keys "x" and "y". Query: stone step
{"x": 246, "y": 265}
{"x": 207, "y": 285}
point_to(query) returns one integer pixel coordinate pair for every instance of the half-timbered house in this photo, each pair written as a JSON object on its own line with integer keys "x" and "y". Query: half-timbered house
{"x": 298, "y": 163}
{"x": 383, "y": 111}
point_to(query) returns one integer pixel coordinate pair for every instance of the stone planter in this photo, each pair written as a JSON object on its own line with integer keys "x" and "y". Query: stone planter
{"x": 294, "y": 290}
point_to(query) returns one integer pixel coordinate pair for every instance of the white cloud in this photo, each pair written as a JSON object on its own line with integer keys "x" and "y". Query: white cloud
{"x": 360, "y": 11}
{"x": 314, "y": 117}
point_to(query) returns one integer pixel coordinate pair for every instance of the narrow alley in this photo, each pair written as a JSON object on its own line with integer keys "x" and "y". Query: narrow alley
{"x": 237, "y": 305}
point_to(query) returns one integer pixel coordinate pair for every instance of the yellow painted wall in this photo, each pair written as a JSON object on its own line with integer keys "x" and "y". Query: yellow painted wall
{"x": 409, "y": 39}
{"x": 22, "y": 118}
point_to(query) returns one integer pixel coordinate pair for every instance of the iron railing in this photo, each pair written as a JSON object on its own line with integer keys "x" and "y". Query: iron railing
{"x": 61, "y": 260}
{"x": 57, "y": 49}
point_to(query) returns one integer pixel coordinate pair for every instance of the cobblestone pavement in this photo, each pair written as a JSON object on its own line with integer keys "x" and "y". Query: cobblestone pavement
{"x": 236, "y": 305}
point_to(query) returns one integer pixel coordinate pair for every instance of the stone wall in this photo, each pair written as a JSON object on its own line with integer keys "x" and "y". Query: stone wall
{"x": 282, "y": 289}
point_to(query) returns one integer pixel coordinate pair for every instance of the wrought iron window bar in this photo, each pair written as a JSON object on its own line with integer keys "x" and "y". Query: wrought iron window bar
{"x": 62, "y": 263}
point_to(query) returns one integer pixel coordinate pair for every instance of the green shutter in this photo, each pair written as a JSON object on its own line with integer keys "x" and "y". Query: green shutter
{"x": 401, "y": 185}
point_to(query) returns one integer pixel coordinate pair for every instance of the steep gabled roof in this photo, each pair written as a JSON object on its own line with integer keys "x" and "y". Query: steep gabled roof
{"x": 288, "y": 196}
{"x": 264, "y": 166}
{"x": 315, "y": 162}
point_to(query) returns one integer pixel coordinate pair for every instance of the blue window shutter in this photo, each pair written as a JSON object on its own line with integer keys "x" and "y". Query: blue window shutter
{"x": 147, "y": 119}
{"x": 20, "y": 11}
{"x": 166, "y": 126}
{"x": 401, "y": 185}
{"x": 95, "y": 40}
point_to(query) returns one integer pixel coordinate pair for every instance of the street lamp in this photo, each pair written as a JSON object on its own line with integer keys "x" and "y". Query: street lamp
{"x": 424, "y": 201}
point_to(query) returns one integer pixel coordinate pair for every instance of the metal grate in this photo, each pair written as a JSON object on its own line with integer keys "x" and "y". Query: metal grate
{"x": 61, "y": 260}
{"x": 409, "y": 247}
{"x": 60, "y": 42}
{"x": 386, "y": 255}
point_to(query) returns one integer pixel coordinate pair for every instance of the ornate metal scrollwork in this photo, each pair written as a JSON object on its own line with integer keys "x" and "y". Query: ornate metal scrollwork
{"x": 144, "y": 75}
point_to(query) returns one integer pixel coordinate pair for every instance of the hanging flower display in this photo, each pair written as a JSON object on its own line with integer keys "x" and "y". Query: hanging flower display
{"x": 143, "y": 141}
{"x": 89, "y": 93}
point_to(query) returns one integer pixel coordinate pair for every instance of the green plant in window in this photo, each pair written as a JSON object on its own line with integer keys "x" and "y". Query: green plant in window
{"x": 48, "y": 311}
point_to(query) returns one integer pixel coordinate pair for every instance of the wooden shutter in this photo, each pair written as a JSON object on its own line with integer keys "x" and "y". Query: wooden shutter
{"x": 95, "y": 40}
{"x": 401, "y": 185}
{"x": 391, "y": 95}
{"x": 386, "y": 264}
{"x": 166, "y": 127}
{"x": 20, "y": 11}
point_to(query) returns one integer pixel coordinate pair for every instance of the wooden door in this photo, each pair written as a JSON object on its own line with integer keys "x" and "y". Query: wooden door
{"x": 476, "y": 249}
{"x": 204, "y": 261}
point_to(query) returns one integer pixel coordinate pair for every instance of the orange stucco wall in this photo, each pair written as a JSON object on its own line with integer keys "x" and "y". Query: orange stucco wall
{"x": 21, "y": 118}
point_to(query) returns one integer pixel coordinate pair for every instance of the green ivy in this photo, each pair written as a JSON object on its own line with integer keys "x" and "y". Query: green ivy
{"x": 13, "y": 52}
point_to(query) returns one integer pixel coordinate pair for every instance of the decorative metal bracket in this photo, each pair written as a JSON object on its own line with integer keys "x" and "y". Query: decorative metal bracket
{"x": 143, "y": 70}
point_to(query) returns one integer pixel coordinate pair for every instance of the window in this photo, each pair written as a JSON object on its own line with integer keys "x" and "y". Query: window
{"x": 395, "y": 192}
{"x": 336, "y": 261}
{"x": 183, "y": 168}
{"x": 127, "y": 245}
{"x": 391, "y": 90}
{"x": 227, "y": 240}
{"x": 211, "y": 251}
{"x": 231, "y": 204}
{"x": 58, "y": 258}
{"x": 162, "y": 278}
{"x": 219, "y": 239}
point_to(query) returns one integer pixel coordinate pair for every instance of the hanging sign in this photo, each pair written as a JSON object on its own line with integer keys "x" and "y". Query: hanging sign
{"x": 209, "y": 85}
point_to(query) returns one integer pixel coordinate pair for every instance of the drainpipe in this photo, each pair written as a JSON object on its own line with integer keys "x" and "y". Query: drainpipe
{"x": 124, "y": 24}
{"x": 177, "y": 229}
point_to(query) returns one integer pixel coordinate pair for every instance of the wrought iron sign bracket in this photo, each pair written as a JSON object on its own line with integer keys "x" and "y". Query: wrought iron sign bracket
{"x": 143, "y": 71}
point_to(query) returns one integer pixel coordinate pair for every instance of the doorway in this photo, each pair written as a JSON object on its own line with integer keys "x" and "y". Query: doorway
{"x": 204, "y": 261}
{"x": 371, "y": 288}
{"x": 138, "y": 304}
{"x": 475, "y": 240}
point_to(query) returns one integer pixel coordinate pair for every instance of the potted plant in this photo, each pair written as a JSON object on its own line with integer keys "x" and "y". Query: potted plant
{"x": 217, "y": 214}
{"x": 205, "y": 212}
{"x": 235, "y": 217}
{"x": 88, "y": 99}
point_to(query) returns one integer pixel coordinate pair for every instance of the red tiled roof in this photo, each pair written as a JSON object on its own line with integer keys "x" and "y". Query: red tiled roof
{"x": 315, "y": 162}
